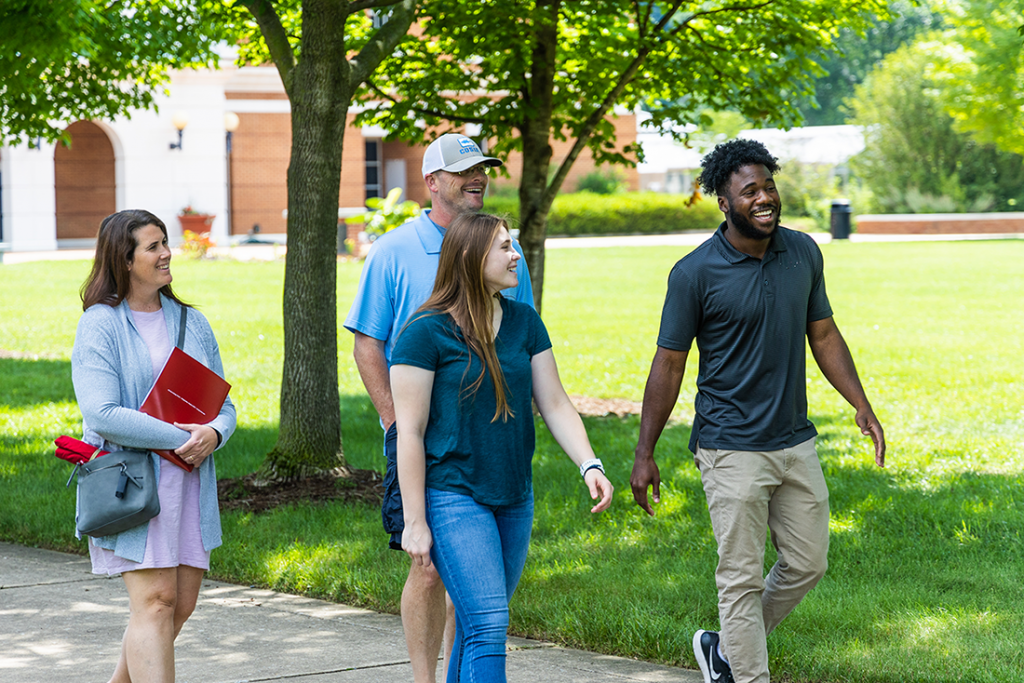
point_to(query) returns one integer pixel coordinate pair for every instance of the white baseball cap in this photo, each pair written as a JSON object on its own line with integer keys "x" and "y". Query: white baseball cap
{"x": 453, "y": 153}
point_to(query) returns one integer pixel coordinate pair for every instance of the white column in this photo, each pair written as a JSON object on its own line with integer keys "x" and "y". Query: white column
{"x": 29, "y": 203}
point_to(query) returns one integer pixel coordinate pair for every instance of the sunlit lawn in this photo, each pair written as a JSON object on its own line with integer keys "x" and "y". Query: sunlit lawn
{"x": 927, "y": 558}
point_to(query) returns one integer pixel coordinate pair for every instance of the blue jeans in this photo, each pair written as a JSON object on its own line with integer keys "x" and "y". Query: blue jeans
{"x": 479, "y": 552}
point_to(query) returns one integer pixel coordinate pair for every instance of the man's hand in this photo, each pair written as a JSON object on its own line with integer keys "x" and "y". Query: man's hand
{"x": 660, "y": 396}
{"x": 645, "y": 473}
{"x": 833, "y": 357}
{"x": 870, "y": 426}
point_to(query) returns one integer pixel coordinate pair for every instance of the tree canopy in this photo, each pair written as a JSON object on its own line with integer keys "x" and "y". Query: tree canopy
{"x": 64, "y": 60}
{"x": 978, "y": 63}
{"x": 915, "y": 160}
{"x": 856, "y": 53}
{"x": 529, "y": 72}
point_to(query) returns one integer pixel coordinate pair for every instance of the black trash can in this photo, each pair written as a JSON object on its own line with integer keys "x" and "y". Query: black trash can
{"x": 841, "y": 211}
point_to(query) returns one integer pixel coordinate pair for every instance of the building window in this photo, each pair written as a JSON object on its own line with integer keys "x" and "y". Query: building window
{"x": 374, "y": 176}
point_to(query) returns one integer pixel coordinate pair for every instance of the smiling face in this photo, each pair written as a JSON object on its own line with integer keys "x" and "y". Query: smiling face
{"x": 150, "y": 268}
{"x": 500, "y": 264}
{"x": 751, "y": 204}
{"x": 455, "y": 193}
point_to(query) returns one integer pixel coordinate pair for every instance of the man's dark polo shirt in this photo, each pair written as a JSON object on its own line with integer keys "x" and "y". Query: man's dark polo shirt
{"x": 749, "y": 318}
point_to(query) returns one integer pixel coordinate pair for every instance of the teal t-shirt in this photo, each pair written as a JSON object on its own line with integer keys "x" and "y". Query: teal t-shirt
{"x": 466, "y": 452}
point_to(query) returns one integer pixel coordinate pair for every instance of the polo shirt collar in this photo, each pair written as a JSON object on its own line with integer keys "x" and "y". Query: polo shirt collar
{"x": 430, "y": 233}
{"x": 734, "y": 255}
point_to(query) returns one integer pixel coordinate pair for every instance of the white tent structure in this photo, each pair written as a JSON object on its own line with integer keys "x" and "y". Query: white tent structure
{"x": 671, "y": 167}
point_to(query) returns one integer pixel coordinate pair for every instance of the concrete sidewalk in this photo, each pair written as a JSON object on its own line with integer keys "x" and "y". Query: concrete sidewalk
{"x": 60, "y": 623}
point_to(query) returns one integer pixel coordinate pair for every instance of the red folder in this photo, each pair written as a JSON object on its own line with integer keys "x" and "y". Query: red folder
{"x": 185, "y": 392}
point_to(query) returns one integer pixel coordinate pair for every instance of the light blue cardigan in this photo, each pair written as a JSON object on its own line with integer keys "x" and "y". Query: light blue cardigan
{"x": 112, "y": 373}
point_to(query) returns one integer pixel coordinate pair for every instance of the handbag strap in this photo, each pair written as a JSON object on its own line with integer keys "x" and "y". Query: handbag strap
{"x": 181, "y": 328}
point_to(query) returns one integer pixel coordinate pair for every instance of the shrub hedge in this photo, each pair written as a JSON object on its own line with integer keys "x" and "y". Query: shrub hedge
{"x": 645, "y": 213}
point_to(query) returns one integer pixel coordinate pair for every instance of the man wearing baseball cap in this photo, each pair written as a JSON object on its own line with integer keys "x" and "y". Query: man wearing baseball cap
{"x": 398, "y": 278}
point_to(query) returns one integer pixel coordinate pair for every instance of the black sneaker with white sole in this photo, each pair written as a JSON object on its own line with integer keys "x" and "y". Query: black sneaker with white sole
{"x": 705, "y": 649}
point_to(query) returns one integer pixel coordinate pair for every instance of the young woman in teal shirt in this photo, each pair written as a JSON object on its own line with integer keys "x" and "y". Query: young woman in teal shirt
{"x": 464, "y": 373}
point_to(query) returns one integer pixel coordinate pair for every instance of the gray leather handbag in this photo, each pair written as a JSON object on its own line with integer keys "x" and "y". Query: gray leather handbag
{"x": 116, "y": 492}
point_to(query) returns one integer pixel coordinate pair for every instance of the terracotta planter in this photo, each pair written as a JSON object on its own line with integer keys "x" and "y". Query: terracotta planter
{"x": 196, "y": 222}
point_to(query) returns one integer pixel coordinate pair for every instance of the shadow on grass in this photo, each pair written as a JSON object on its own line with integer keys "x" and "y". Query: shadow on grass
{"x": 28, "y": 384}
{"x": 921, "y": 572}
{"x": 328, "y": 549}
{"x": 362, "y": 440}
{"x": 923, "y": 568}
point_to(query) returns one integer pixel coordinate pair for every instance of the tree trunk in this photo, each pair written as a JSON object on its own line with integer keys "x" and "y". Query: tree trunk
{"x": 536, "y": 192}
{"x": 534, "y": 199}
{"x": 309, "y": 440}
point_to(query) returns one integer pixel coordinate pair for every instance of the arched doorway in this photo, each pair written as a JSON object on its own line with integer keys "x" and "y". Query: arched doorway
{"x": 84, "y": 184}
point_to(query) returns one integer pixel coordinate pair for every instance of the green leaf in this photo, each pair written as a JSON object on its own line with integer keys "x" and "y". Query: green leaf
{"x": 65, "y": 60}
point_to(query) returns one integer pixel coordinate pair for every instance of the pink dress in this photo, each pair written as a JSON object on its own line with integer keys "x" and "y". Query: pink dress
{"x": 173, "y": 537}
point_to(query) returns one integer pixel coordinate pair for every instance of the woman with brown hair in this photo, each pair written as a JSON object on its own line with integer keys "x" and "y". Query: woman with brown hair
{"x": 122, "y": 342}
{"x": 464, "y": 372}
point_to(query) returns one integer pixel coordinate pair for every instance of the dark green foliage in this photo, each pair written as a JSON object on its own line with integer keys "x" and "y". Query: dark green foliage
{"x": 601, "y": 182}
{"x": 980, "y": 64}
{"x": 856, "y": 54}
{"x": 64, "y": 60}
{"x": 645, "y": 213}
{"x": 807, "y": 190}
{"x": 916, "y": 161}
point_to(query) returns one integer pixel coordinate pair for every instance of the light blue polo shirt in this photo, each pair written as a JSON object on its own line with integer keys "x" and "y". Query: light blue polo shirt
{"x": 398, "y": 277}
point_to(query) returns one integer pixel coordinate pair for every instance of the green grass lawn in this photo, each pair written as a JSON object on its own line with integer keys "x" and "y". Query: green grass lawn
{"x": 927, "y": 559}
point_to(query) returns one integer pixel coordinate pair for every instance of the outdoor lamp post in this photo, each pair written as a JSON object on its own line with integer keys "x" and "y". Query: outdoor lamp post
{"x": 230, "y": 126}
{"x": 179, "y": 121}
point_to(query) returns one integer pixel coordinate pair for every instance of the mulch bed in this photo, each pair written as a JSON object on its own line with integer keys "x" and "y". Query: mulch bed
{"x": 589, "y": 406}
{"x": 349, "y": 485}
{"x": 352, "y": 485}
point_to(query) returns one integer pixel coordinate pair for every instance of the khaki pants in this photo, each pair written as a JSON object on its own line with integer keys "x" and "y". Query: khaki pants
{"x": 748, "y": 491}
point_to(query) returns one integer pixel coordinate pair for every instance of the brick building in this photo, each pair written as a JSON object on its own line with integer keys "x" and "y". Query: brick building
{"x": 53, "y": 197}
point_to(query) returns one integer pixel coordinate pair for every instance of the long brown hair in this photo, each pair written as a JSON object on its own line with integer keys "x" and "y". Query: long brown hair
{"x": 459, "y": 291}
{"x": 109, "y": 282}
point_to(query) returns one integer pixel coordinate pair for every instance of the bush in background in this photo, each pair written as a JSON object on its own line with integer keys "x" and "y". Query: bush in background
{"x": 916, "y": 161}
{"x": 807, "y": 190}
{"x": 644, "y": 213}
{"x": 386, "y": 213}
{"x": 602, "y": 182}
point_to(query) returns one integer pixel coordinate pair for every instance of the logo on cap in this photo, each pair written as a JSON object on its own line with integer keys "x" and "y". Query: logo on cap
{"x": 468, "y": 146}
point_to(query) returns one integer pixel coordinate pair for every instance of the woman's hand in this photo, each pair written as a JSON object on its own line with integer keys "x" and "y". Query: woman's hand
{"x": 599, "y": 487}
{"x": 417, "y": 540}
{"x": 199, "y": 446}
